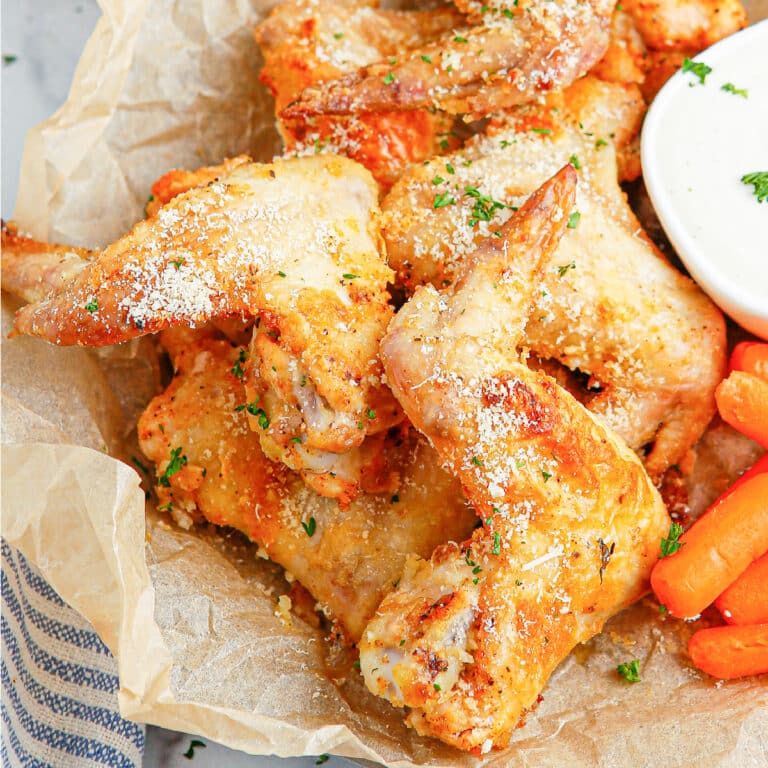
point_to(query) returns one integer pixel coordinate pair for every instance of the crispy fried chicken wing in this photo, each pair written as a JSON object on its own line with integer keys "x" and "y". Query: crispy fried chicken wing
{"x": 608, "y": 304}
{"x": 31, "y": 269}
{"x": 500, "y": 56}
{"x": 294, "y": 243}
{"x": 571, "y": 520}
{"x": 306, "y": 42}
{"x": 210, "y": 467}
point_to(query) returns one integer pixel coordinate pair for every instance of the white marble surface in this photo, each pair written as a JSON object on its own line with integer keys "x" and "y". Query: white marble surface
{"x": 41, "y": 43}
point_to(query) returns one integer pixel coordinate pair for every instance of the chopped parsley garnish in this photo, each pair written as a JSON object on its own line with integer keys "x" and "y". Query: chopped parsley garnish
{"x": 263, "y": 418}
{"x": 508, "y": 13}
{"x": 759, "y": 180}
{"x": 174, "y": 466}
{"x": 395, "y": 498}
{"x": 350, "y": 276}
{"x": 297, "y": 440}
{"x": 561, "y": 270}
{"x": 370, "y": 413}
{"x": 542, "y": 131}
{"x": 338, "y": 35}
{"x": 178, "y": 263}
{"x": 392, "y": 62}
{"x": 546, "y": 475}
{"x": 194, "y": 744}
{"x": 322, "y": 759}
{"x": 630, "y": 671}
{"x": 310, "y": 527}
{"x": 9, "y": 58}
{"x": 574, "y": 161}
{"x": 426, "y": 58}
{"x": 165, "y": 507}
{"x": 697, "y": 69}
{"x": 477, "y": 461}
{"x": 484, "y": 207}
{"x": 496, "y": 544}
{"x": 436, "y": 686}
{"x": 402, "y": 642}
{"x": 390, "y": 78}
{"x": 573, "y": 220}
{"x": 438, "y": 180}
{"x": 442, "y": 199}
{"x": 281, "y": 273}
{"x": 444, "y": 145}
{"x": 450, "y": 168}
{"x": 237, "y": 369}
{"x": 601, "y": 143}
{"x": 459, "y": 39}
{"x": 731, "y": 88}
{"x": 150, "y": 199}
{"x": 92, "y": 306}
{"x": 663, "y": 608}
{"x": 670, "y": 544}
{"x": 303, "y": 382}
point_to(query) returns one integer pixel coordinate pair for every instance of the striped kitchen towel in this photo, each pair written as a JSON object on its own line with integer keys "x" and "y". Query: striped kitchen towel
{"x": 59, "y": 681}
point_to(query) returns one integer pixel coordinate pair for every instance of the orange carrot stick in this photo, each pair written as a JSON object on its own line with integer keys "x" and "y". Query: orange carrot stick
{"x": 746, "y": 600}
{"x": 751, "y": 357}
{"x": 716, "y": 550}
{"x": 742, "y": 400}
{"x": 728, "y": 652}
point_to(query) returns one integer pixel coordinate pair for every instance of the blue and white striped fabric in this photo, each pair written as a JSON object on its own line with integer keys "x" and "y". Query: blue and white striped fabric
{"x": 59, "y": 682}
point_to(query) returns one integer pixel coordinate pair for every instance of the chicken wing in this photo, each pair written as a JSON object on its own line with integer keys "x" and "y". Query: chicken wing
{"x": 571, "y": 520}
{"x": 608, "y": 304}
{"x": 294, "y": 243}
{"x": 501, "y": 56}
{"x": 210, "y": 467}
{"x": 305, "y": 42}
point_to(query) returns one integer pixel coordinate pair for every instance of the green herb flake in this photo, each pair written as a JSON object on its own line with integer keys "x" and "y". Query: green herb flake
{"x": 459, "y": 39}
{"x": 630, "y": 671}
{"x": 322, "y": 759}
{"x": 338, "y": 35}
{"x": 759, "y": 180}
{"x": 402, "y": 642}
{"x": 546, "y": 475}
{"x": 281, "y": 273}
{"x": 601, "y": 143}
{"x": 496, "y": 544}
{"x": 670, "y": 544}
{"x": 92, "y": 306}
{"x": 438, "y": 180}
{"x": 9, "y": 58}
{"x": 298, "y": 440}
{"x": 237, "y": 369}
{"x": 436, "y": 686}
{"x": 477, "y": 461}
{"x": 442, "y": 199}
{"x": 507, "y": 13}
{"x": 426, "y": 58}
{"x": 175, "y": 465}
{"x": 573, "y": 220}
{"x": 389, "y": 79}
{"x": 731, "y": 88}
{"x": 178, "y": 263}
{"x": 663, "y": 608}
{"x": 542, "y": 131}
{"x": 444, "y": 145}
{"x": 165, "y": 507}
{"x": 450, "y": 168}
{"x": 370, "y": 413}
{"x": 309, "y": 527}
{"x": 697, "y": 69}
{"x": 395, "y": 498}
{"x": 574, "y": 161}
{"x": 561, "y": 270}
{"x": 194, "y": 744}
{"x": 349, "y": 276}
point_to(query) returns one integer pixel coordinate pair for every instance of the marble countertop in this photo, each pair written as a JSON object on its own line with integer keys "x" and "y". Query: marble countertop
{"x": 41, "y": 43}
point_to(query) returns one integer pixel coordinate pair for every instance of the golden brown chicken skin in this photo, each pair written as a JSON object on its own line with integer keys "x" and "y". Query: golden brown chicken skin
{"x": 571, "y": 521}
{"x": 210, "y": 467}
{"x": 608, "y": 304}
{"x": 295, "y": 244}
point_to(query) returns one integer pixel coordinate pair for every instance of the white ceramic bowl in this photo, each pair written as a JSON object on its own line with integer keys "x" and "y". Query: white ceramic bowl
{"x": 698, "y": 140}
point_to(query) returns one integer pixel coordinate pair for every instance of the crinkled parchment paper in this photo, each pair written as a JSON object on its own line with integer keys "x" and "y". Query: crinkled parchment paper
{"x": 191, "y": 616}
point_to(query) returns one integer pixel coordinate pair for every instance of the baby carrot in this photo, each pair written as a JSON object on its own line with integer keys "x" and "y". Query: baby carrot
{"x": 727, "y": 652}
{"x": 742, "y": 400}
{"x": 760, "y": 466}
{"x": 746, "y": 600}
{"x": 715, "y": 550}
{"x": 751, "y": 357}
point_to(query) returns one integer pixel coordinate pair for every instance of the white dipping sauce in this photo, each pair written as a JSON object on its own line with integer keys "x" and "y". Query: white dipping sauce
{"x": 698, "y": 141}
